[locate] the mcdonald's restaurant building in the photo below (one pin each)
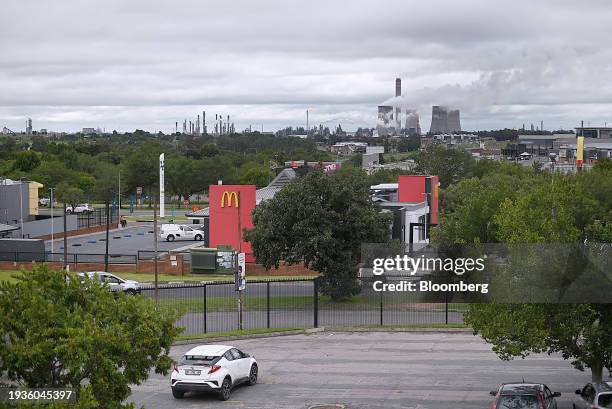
(413, 202)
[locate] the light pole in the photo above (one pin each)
(21, 205)
(52, 221)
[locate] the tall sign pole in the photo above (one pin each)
(155, 252)
(161, 185)
(239, 268)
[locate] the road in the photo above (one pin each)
(377, 370)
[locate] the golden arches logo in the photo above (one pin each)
(228, 196)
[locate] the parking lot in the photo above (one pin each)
(373, 370)
(121, 241)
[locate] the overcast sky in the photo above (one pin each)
(126, 64)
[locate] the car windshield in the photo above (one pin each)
(200, 360)
(518, 402)
(605, 400)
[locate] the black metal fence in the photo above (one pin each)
(71, 258)
(96, 218)
(213, 307)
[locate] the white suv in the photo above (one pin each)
(171, 232)
(81, 208)
(213, 368)
(114, 283)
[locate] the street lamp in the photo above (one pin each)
(21, 204)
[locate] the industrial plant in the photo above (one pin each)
(394, 119)
(198, 127)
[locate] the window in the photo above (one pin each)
(518, 402)
(228, 356)
(236, 354)
(200, 360)
(605, 400)
(588, 393)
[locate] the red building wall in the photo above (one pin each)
(411, 189)
(417, 189)
(224, 201)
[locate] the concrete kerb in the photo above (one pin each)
(310, 331)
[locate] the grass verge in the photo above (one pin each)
(234, 333)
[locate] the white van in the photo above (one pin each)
(171, 232)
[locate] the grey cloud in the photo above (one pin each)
(126, 64)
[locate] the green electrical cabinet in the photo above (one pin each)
(203, 260)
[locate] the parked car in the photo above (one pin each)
(171, 232)
(524, 395)
(44, 201)
(114, 282)
(213, 368)
(595, 395)
(80, 208)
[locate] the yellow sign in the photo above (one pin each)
(580, 151)
(228, 196)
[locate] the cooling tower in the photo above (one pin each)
(412, 122)
(386, 124)
(454, 121)
(439, 120)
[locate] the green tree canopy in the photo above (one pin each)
(450, 164)
(63, 333)
(322, 221)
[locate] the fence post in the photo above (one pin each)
(205, 308)
(381, 308)
(446, 307)
(315, 296)
(76, 261)
(268, 303)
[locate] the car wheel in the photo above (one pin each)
(130, 292)
(177, 394)
(226, 389)
(253, 375)
(170, 237)
(198, 237)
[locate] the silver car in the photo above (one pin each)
(113, 282)
(595, 395)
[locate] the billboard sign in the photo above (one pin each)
(240, 278)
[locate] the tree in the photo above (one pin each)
(61, 333)
(449, 164)
(322, 221)
(182, 177)
(521, 206)
(26, 161)
(142, 167)
(259, 176)
(579, 332)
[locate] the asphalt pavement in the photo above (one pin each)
(121, 241)
(377, 370)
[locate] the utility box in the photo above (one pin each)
(203, 260)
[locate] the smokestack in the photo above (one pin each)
(398, 87)
(204, 122)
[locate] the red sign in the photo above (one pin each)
(230, 213)
(332, 167)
